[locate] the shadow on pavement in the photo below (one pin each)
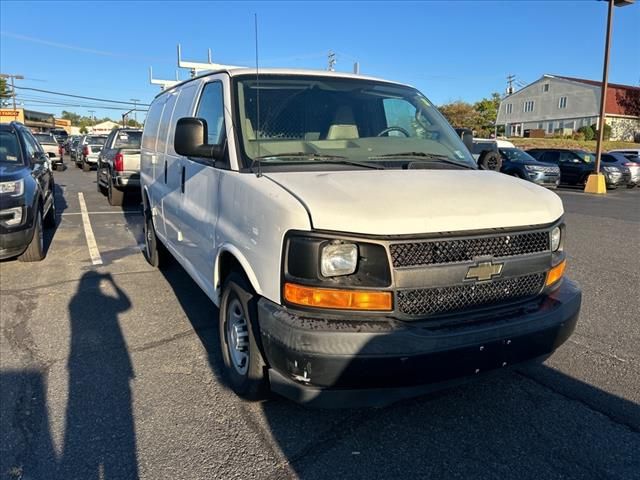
(99, 440)
(531, 425)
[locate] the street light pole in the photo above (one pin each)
(596, 182)
(135, 108)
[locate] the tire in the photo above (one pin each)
(101, 189)
(244, 365)
(35, 250)
(115, 196)
(490, 161)
(86, 167)
(154, 251)
(50, 219)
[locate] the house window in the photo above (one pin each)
(509, 108)
(545, 87)
(540, 126)
(550, 127)
(528, 106)
(562, 103)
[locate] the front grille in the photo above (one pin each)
(463, 250)
(430, 301)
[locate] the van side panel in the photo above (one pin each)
(254, 215)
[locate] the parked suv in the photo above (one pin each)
(632, 162)
(27, 202)
(518, 163)
(576, 166)
(355, 250)
(118, 167)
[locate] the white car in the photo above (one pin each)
(356, 252)
(51, 147)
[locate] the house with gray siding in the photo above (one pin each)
(558, 104)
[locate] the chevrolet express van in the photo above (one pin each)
(355, 250)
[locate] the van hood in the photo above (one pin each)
(404, 202)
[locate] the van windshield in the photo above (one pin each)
(309, 119)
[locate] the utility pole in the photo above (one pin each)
(13, 87)
(91, 114)
(331, 61)
(596, 182)
(510, 80)
(136, 100)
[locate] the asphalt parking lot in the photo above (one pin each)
(111, 371)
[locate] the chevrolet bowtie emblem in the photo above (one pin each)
(484, 271)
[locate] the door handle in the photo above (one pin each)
(182, 182)
(165, 171)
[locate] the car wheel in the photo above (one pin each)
(154, 251)
(101, 189)
(244, 366)
(35, 250)
(50, 219)
(115, 196)
(490, 161)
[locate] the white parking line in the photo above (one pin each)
(128, 212)
(88, 232)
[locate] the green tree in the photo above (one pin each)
(460, 114)
(84, 130)
(487, 109)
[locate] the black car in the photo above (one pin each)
(577, 165)
(27, 202)
(519, 163)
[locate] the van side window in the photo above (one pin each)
(211, 109)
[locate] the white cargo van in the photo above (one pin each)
(356, 252)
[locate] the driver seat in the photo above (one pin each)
(344, 125)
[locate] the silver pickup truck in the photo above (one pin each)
(118, 167)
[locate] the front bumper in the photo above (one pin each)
(348, 362)
(13, 244)
(545, 179)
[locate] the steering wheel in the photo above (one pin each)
(394, 129)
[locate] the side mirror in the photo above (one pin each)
(40, 158)
(190, 139)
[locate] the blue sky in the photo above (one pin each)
(450, 49)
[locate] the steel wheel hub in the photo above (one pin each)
(237, 337)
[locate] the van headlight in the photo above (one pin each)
(14, 188)
(338, 259)
(556, 236)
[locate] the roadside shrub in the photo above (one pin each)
(607, 131)
(580, 136)
(587, 132)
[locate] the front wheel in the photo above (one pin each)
(238, 327)
(35, 250)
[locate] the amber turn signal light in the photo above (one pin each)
(555, 273)
(338, 299)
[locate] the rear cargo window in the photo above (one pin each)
(128, 140)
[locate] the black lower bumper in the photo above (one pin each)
(349, 362)
(13, 244)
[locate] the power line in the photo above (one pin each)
(70, 103)
(79, 96)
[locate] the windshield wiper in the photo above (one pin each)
(422, 156)
(318, 157)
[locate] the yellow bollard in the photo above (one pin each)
(596, 184)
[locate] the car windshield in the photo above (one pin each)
(350, 121)
(516, 155)
(128, 139)
(45, 139)
(96, 140)
(9, 148)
